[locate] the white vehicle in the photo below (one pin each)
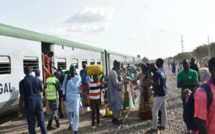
(21, 48)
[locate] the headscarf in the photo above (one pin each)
(125, 70)
(204, 74)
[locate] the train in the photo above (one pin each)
(21, 47)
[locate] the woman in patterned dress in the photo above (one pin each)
(146, 99)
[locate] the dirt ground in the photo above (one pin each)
(11, 125)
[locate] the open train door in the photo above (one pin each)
(46, 48)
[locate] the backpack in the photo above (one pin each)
(190, 108)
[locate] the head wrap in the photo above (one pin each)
(204, 74)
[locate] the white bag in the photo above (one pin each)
(131, 105)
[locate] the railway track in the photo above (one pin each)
(125, 119)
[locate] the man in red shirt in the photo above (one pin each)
(205, 119)
(47, 64)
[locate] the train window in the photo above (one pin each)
(5, 65)
(61, 63)
(31, 62)
(84, 61)
(99, 62)
(92, 62)
(75, 62)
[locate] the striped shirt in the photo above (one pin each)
(94, 92)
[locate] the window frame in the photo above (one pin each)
(84, 61)
(76, 64)
(63, 67)
(31, 58)
(92, 61)
(6, 62)
(98, 61)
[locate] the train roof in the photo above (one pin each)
(11, 31)
(119, 54)
(30, 35)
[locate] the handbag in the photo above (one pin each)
(86, 99)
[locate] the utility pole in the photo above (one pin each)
(209, 55)
(182, 43)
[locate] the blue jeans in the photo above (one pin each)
(35, 109)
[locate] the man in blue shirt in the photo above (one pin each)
(160, 92)
(83, 70)
(159, 64)
(30, 88)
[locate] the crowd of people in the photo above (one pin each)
(82, 91)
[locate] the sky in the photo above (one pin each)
(150, 28)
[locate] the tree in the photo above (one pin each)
(145, 60)
(181, 56)
(200, 52)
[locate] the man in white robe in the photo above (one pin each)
(71, 95)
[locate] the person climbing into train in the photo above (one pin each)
(29, 89)
(71, 97)
(95, 99)
(53, 87)
(114, 95)
(48, 64)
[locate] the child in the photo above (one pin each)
(95, 102)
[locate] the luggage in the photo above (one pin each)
(108, 112)
(94, 70)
